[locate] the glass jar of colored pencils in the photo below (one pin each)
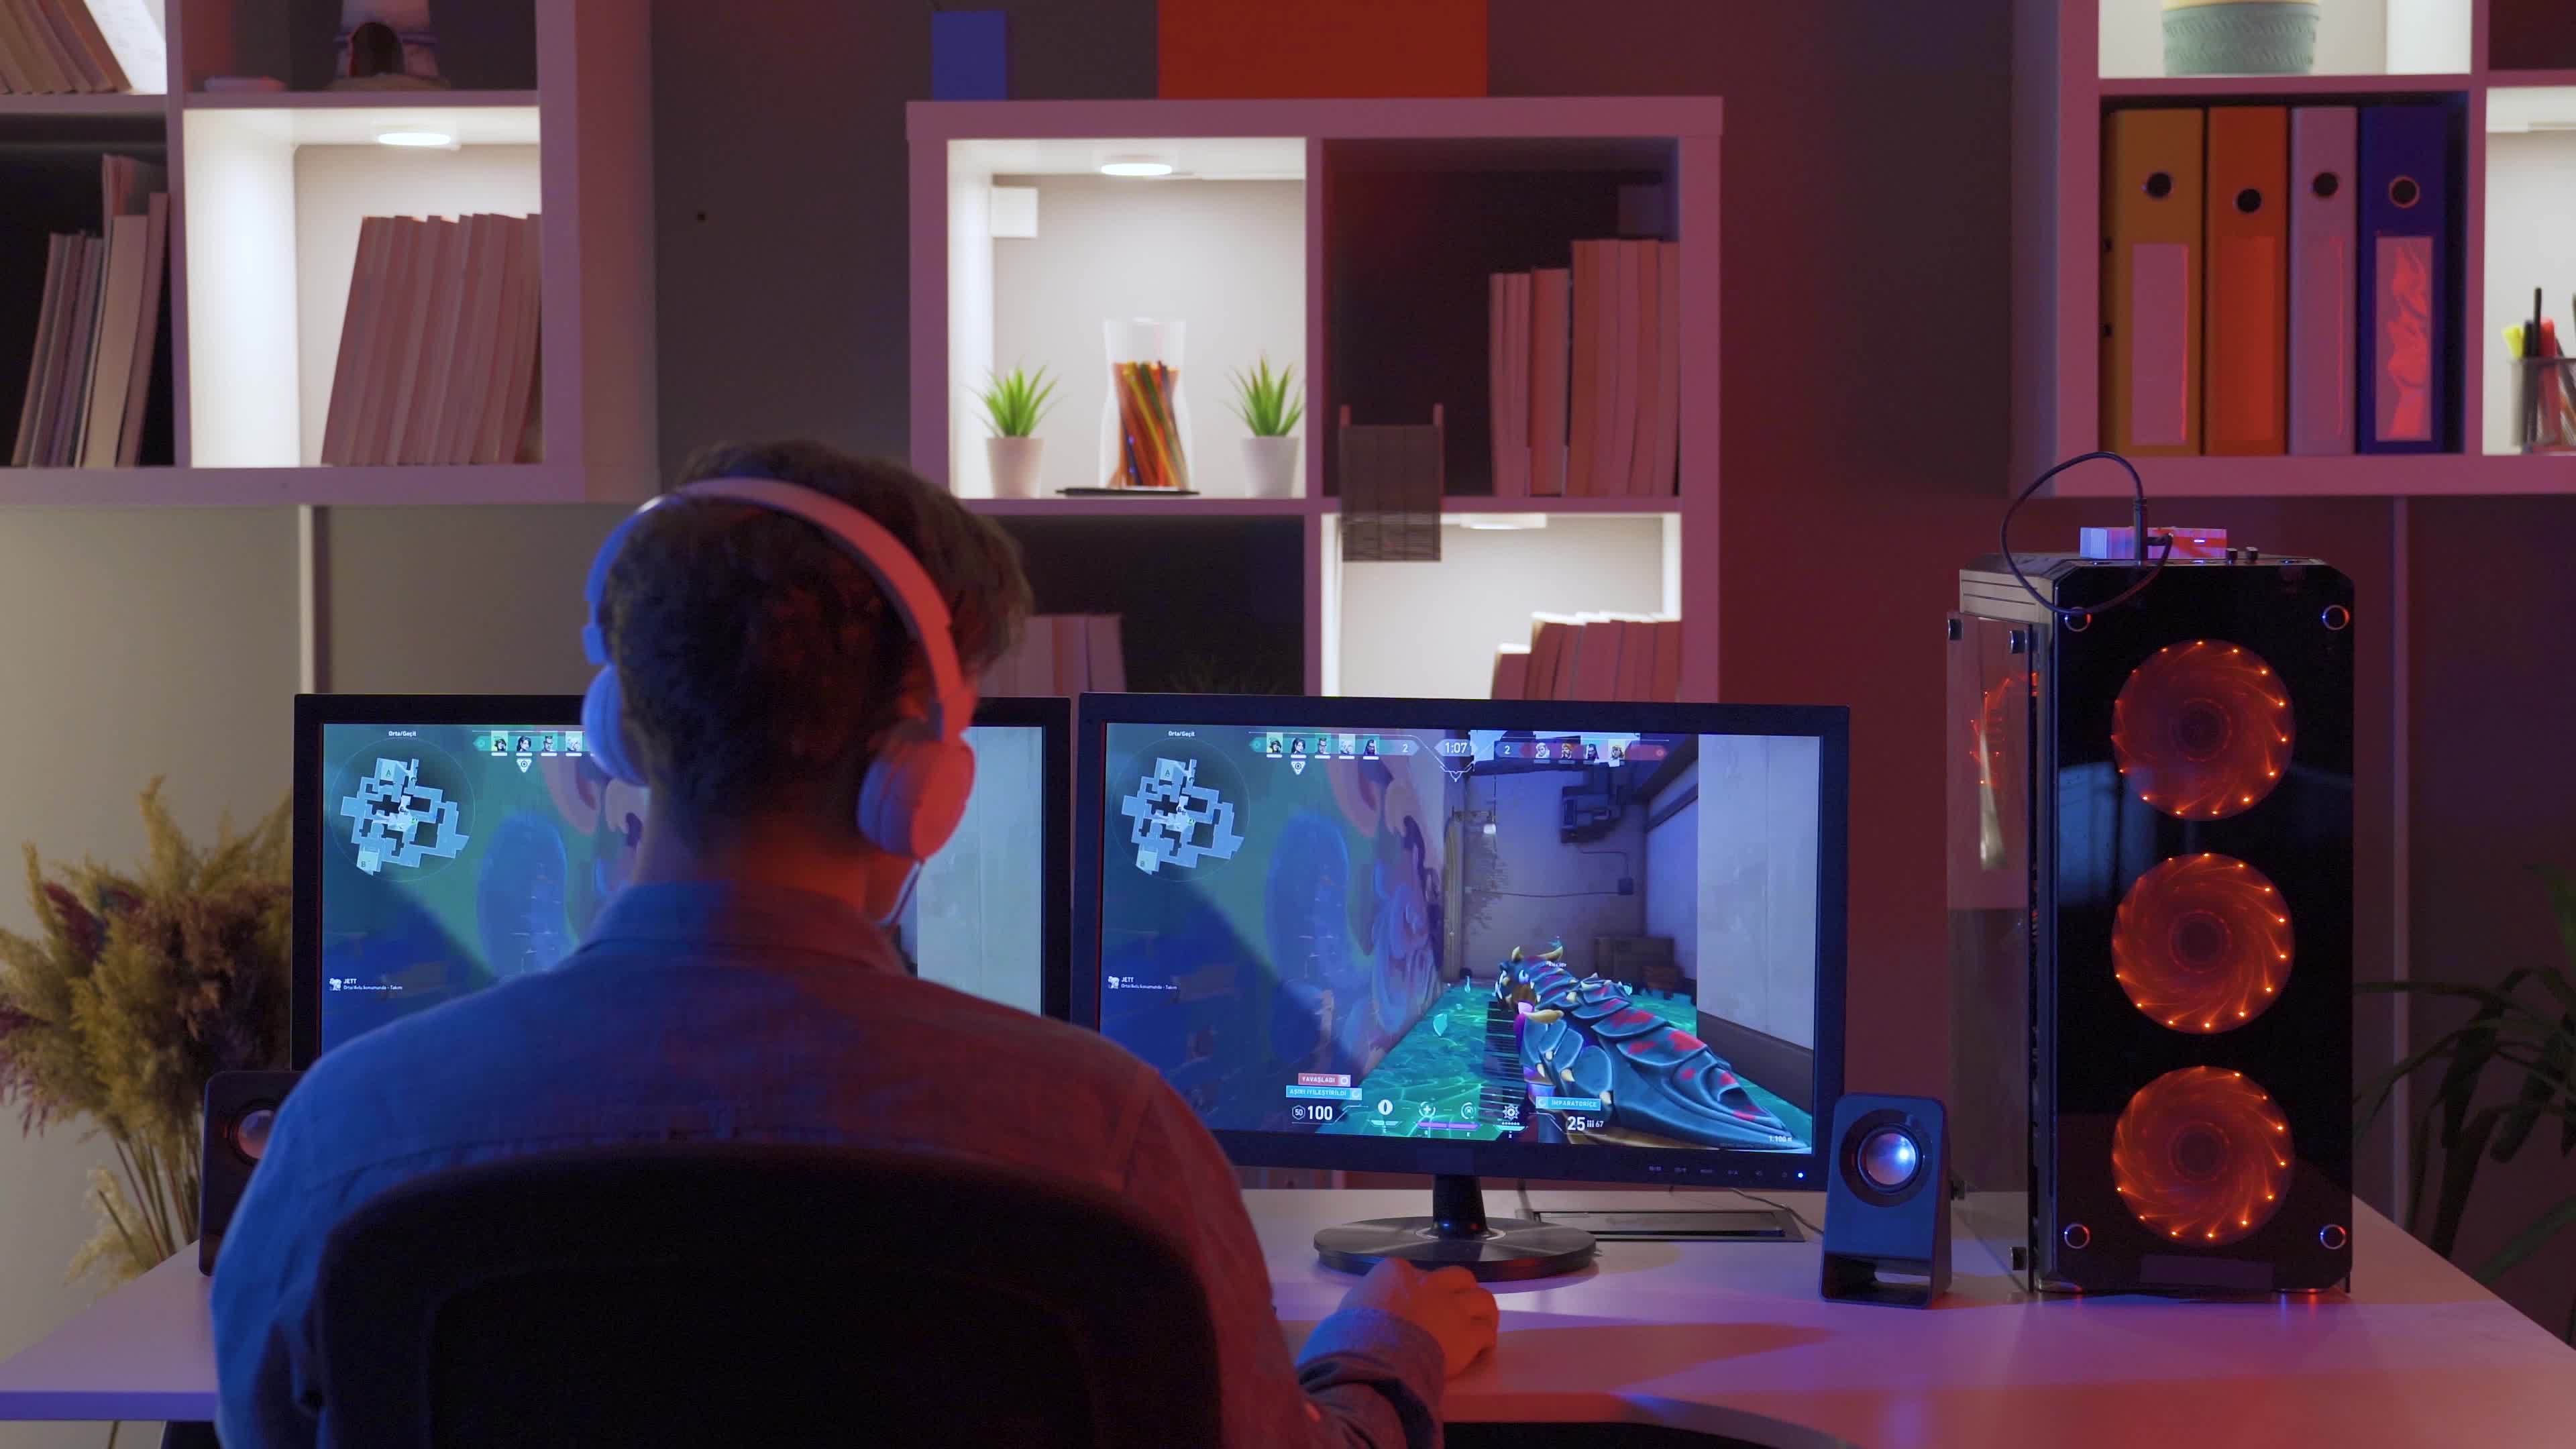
(1145, 419)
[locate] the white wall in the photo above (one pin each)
(461, 600)
(139, 643)
(1226, 257)
(1399, 638)
(2531, 217)
(1757, 883)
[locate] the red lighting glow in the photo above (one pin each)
(2201, 1156)
(2202, 943)
(2202, 730)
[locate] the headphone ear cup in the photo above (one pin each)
(916, 791)
(603, 728)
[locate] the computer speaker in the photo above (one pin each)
(1887, 1201)
(240, 1109)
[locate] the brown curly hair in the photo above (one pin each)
(760, 662)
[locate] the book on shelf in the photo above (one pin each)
(438, 344)
(1597, 669)
(79, 47)
(1583, 388)
(112, 355)
(1592, 657)
(80, 347)
(147, 329)
(1508, 375)
(1619, 435)
(1587, 396)
(98, 324)
(1512, 472)
(48, 322)
(1064, 654)
(1664, 477)
(1551, 290)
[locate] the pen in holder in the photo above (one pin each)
(2546, 404)
(1145, 419)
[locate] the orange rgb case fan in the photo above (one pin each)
(2202, 730)
(2202, 943)
(2201, 1155)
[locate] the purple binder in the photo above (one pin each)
(2407, 343)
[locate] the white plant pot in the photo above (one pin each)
(1015, 466)
(1271, 464)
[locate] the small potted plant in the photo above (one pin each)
(1266, 402)
(1013, 405)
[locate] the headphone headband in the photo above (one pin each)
(906, 585)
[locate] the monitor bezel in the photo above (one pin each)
(1829, 725)
(313, 712)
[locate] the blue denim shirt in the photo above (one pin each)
(699, 1012)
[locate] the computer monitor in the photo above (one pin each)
(445, 843)
(1599, 942)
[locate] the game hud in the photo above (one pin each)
(1580, 938)
(456, 856)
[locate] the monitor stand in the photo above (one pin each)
(1458, 1234)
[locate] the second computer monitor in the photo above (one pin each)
(447, 843)
(1599, 942)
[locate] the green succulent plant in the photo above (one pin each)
(1016, 401)
(1265, 400)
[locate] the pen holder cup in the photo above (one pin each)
(2545, 404)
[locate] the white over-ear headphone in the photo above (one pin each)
(916, 787)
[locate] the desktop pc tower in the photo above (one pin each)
(2150, 849)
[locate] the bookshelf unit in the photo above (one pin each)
(2077, 59)
(1279, 233)
(549, 112)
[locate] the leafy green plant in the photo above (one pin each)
(2525, 1024)
(138, 986)
(1263, 399)
(1016, 401)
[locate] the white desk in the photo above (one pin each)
(1731, 1337)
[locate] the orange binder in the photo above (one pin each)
(2151, 208)
(2245, 386)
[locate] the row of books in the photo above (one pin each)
(1593, 657)
(1062, 654)
(1584, 366)
(78, 47)
(2278, 280)
(98, 331)
(439, 346)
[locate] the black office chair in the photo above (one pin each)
(733, 1294)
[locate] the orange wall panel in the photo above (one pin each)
(1273, 49)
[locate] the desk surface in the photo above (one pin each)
(1731, 1337)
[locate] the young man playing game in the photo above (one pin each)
(790, 681)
